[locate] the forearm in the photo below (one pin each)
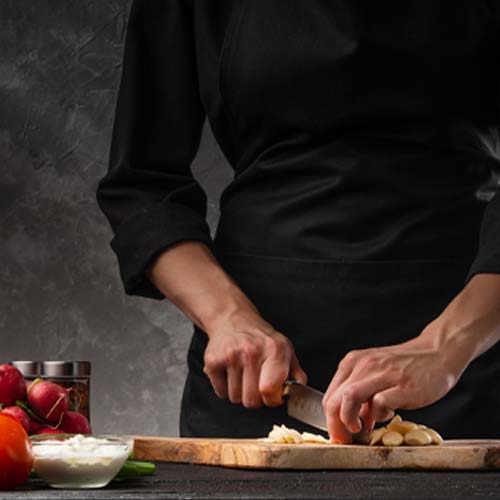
(246, 359)
(190, 277)
(470, 324)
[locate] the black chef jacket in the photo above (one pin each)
(356, 130)
(361, 134)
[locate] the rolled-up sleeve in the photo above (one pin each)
(487, 259)
(149, 194)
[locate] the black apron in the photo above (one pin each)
(327, 308)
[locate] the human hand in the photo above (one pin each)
(248, 361)
(371, 383)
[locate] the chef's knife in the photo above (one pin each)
(305, 404)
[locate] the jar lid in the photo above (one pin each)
(65, 368)
(28, 368)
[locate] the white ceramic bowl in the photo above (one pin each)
(78, 461)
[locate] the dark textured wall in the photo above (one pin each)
(60, 294)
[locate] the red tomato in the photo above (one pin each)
(16, 458)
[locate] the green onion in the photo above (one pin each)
(135, 468)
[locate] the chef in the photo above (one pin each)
(358, 246)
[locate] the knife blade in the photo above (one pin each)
(306, 405)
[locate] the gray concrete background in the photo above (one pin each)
(60, 294)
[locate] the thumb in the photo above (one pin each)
(296, 372)
(394, 398)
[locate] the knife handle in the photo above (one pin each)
(287, 386)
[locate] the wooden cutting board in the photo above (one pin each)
(251, 453)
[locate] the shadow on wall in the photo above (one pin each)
(60, 294)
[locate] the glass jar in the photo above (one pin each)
(74, 375)
(30, 369)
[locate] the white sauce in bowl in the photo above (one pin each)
(80, 461)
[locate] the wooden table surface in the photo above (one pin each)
(179, 481)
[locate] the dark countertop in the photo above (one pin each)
(179, 481)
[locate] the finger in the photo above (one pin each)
(353, 394)
(296, 371)
(349, 412)
(219, 382)
(381, 413)
(367, 416)
(234, 383)
(336, 429)
(344, 370)
(216, 373)
(250, 392)
(273, 374)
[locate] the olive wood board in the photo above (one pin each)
(465, 454)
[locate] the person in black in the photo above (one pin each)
(360, 236)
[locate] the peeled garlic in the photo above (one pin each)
(282, 434)
(401, 431)
(396, 418)
(392, 438)
(435, 436)
(376, 436)
(417, 437)
(402, 427)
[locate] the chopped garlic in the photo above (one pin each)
(314, 438)
(282, 434)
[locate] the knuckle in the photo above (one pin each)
(380, 402)
(275, 347)
(278, 345)
(370, 361)
(347, 360)
(211, 361)
(395, 371)
(350, 394)
(232, 355)
(250, 352)
(329, 406)
(352, 355)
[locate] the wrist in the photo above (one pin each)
(454, 344)
(235, 312)
(469, 325)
